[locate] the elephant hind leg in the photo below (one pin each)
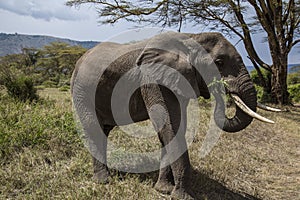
(165, 182)
(101, 172)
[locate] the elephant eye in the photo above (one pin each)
(219, 62)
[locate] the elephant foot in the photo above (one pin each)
(181, 194)
(102, 177)
(164, 187)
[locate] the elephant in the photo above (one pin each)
(157, 70)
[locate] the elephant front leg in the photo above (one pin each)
(176, 147)
(178, 158)
(168, 118)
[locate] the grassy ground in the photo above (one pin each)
(42, 157)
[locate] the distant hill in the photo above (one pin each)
(291, 68)
(14, 43)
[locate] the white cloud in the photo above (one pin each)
(87, 29)
(43, 9)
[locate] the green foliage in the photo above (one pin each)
(18, 85)
(58, 60)
(293, 78)
(263, 92)
(24, 125)
(21, 87)
(256, 79)
(51, 66)
(294, 91)
(218, 86)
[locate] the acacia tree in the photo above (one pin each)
(58, 58)
(279, 19)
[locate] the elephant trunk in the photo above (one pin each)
(242, 88)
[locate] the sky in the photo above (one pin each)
(53, 18)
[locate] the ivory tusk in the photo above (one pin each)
(238, 101)
(264, 107)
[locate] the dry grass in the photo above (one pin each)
(261, 162)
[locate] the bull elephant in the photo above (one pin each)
(156, 71)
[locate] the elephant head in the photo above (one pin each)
(232, 70)
(202, 59)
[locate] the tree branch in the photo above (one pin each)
(287, 12)
(261, 77)
(122, 8)
(295, 42)
(247, 37)
(292, 26)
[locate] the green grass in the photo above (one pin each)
(42, 157)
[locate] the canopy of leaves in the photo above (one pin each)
(58, 58)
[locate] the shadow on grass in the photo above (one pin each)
(293, 113)
(205, 188)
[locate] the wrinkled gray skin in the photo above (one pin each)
(114, 60)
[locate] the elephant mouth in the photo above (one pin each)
(246, 104)
(243, 114)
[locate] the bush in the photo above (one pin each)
(293, 78)
(262, 94)
(294, 91)
(21, 87)
(266, 76)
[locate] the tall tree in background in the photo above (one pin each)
(59, 58)
(279, 19)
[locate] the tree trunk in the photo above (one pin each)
(279, 91)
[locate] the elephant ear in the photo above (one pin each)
(170, 69)
(199, 58)
(203, 89)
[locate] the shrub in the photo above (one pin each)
(262, 94)
(294, 91)
(266, 76)
(21, 87)
(293, 78)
